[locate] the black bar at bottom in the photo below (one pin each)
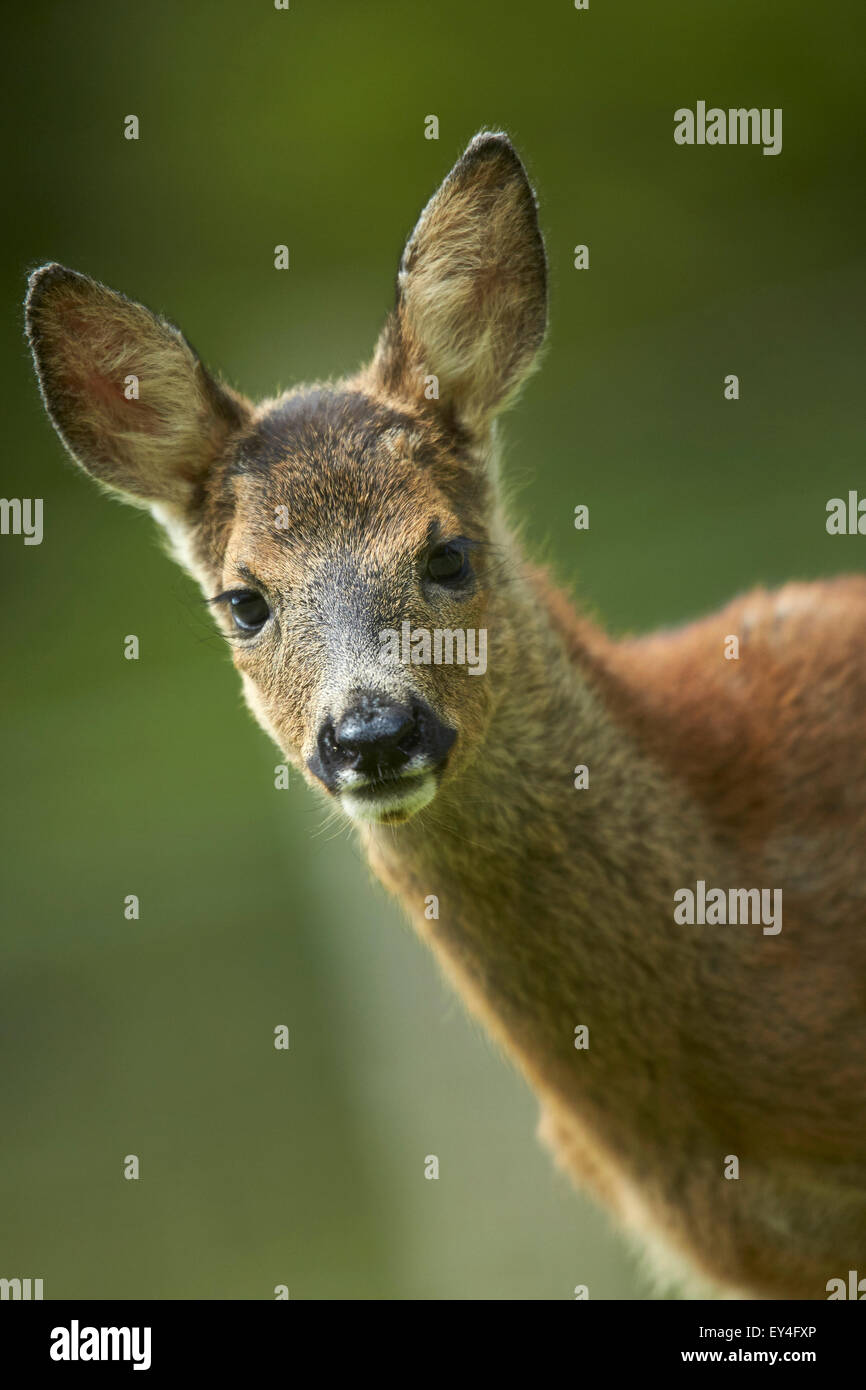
(218, 1338)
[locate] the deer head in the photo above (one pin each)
(334, 527)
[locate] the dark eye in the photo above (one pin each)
(249, 610)
(448, 564)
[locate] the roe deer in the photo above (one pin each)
(319, 521)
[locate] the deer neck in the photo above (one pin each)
(551, 906)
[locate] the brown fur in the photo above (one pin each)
(555, 905)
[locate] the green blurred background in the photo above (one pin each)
(306, 127)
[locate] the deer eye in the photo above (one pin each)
(249, 610)
(448, 564)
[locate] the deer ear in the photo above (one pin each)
(471, 306)
(125, 391)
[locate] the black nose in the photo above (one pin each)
(378, 736)
(375, 735)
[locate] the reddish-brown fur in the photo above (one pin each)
(555, 905)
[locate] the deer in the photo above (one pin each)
(705, 1083)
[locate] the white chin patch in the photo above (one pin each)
(391, 805)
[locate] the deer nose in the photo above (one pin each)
(375, 735)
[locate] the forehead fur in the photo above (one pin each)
(348, 468)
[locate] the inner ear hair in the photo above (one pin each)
(126, 392)
(471, 307)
